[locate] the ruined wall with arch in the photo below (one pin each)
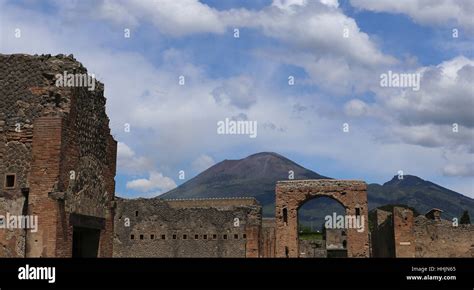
(292, 194)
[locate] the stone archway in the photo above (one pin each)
(290, 195)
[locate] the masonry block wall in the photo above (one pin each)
(56, 141)
(399, 234)
(442, 239)
(221, 203)
(160, 228)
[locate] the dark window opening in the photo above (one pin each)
(287, 252)
(174, 237)
(236, 236)
(244, 236)
(225, 237)
(163, 237)
(204, 237)
(344, 244)
(136, 213)
(185, 237)
(196, 237)
(152, 237)
(214, 237)
(10, 180)
(132, 237)
(141, 237)
(343, 233)
(285, 215)
(357, 211)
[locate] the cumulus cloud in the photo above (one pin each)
(329, 45)
(337, 56)
(156, 181)
(441, 12)
(128, 161)
(176, 18)
(440, 113)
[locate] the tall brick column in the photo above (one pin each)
(403, 232)
(45, 171)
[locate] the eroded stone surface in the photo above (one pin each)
(46, 132)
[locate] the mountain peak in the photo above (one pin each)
(405, 180)
(255, 175)
(265, 154)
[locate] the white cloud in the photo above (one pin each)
(123, 151)
(115, 11)
(156, 181)
(355, 108)
(440, 114)
(202, 163)
(455, 13)
(128, 161)
(237, 91)
(313, 30)
(459, 170)
(176, 18)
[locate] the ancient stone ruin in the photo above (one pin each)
(218, 227)
(400, 234)
(57, 160)
(57, 191)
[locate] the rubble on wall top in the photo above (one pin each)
(320, 181)
(46, 56)
(207, 198)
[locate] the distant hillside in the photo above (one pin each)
(420, 194)
(256, 176)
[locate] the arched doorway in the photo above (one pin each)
(292, 194)
(318, 236)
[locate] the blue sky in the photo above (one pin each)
(173, 127)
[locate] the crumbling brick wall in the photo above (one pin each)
(268, 238)
(47, 135)
(404, 241)
(382, 238)
(312, 249)
(443, 239)
(399, 234)
(153, 228)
